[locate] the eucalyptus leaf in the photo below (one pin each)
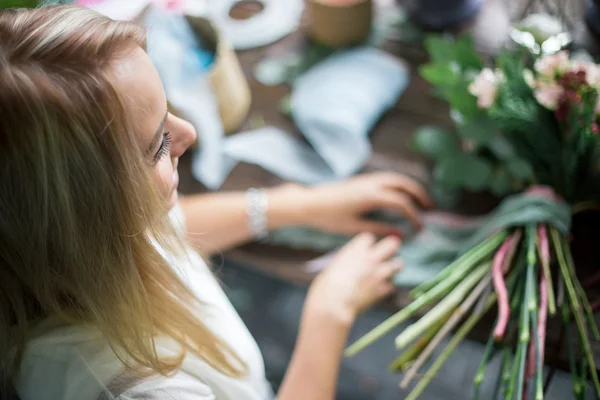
(445, 197)
(501, 147)
(480, 130)
(501, 183)
(435, 142)
(463, 170)
(465, 53)
(440, 74)
(477, 172)
(460, 99)
(520, 168)
(440, 49)
(447, 171)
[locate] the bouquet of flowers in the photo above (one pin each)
(527, 127)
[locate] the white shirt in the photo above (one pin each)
(76, 363)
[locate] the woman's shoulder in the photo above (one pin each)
(77, 363)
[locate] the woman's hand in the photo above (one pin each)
(358, 277)
(341, 207)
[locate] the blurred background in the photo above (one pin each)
(244, 65)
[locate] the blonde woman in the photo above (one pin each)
(100, 295)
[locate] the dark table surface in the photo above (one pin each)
(390, 139)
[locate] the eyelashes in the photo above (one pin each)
(164, 149)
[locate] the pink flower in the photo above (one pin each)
(485, 87)
(553, 64)
(548, 95)
(592, 72)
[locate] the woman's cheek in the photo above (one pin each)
(164, 177)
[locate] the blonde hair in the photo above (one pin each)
(78, 209)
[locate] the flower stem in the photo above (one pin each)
(514, 377)
(460, 268)
(570, 348)
(413, 351)
(541, 339)
(572, 294)
(443, 307)
(583, 380)
(504, 380)
(449, 349)
(487, 355)
(583, 298)
(456, 317)
(498, 270)
(470, 258)
(544, 253)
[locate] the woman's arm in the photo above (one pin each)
(218, 221)
(357, 277)
(313, 371)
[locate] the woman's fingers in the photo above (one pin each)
(391, 268)
(401, 203)
(386, 248)
(379, 229)
(410, 186)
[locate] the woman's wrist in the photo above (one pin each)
(326, 308)
(287, 205)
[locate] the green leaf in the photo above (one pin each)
(460, 99)
(520, 168)
(461, 169)
(477, 173)
(480, 130)
(441, 50)
(501, 147)
(465, 53)
(435, 142)
(447, 172)
(19, 3)
(439, 74)
(501, 183)
(445, 197)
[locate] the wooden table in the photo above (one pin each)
(390, 138)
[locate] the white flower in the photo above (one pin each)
(485, 87)
(542, 26)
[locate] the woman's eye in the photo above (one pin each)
(165, 147)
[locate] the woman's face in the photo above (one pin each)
(162, 136)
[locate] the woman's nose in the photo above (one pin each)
(185, 135)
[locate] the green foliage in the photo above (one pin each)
(516, 142)
(30, 3)
(452, 64)
(463, 170)
(435, 142)
(479, 130)
(18, 3)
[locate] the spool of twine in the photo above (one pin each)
(227, 79)
(339, 23)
